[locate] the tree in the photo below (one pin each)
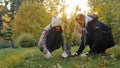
(31, 18)
(55, 7)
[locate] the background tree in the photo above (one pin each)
(55, 7)
(34, 12)
(31, 18)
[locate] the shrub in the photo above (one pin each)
(32, 18)
(25, 40)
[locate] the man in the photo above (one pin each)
(96, 34)
(52, 39)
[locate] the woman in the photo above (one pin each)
(52, 39)
(96, 34)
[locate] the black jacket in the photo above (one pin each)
(99, 37)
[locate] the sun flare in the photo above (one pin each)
(71, 5)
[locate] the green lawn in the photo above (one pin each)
(33, 58)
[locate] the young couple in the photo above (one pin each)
(94, 33)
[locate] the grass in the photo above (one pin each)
(33, 58)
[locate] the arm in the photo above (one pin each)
(83, 42)
(42, 41)
(81, 48)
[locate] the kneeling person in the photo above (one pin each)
(52, 39)
(95, 33)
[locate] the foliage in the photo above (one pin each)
(31, 18)
(38, 15)
(67, 24)
(108, 11)
(25, 40)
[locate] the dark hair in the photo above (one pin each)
(54, 39)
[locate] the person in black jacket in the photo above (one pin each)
(52, 39)
(96, 34)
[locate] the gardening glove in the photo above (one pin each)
(47, 54)
(64, 55)
(73, 54)
(84, 54)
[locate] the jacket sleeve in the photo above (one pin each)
(81, 48)
(42, 41)
(82, 45)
